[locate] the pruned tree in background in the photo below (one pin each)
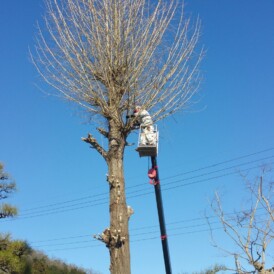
(108, 56)
(7, 187)
(251, 230)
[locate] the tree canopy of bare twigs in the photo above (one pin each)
(251, 230)
(109, 55)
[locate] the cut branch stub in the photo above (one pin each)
(130, 211)
(94, 144)
(112, 239)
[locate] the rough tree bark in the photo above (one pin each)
(116, 237)
(108, 56)
(119, 234)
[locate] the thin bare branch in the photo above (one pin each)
(251, 232)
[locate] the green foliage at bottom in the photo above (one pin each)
(17, 257)
(12, 255)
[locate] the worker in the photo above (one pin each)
(148, 135)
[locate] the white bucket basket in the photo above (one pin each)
(148, 150)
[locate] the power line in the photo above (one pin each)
(37, 212)
(221, 163)
(169, 177)
(209, 179)
(68, 201)
(226, 168)
(67, 206)
(170, 235)
(138, 240)
(105, 201)
(191, 226)
(133, 229)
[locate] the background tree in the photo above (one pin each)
(11, 255)
(251, 230)
(212, 270)
(17, 257)
(108, 56)
(7, 187)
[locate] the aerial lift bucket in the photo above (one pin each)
(148, 150)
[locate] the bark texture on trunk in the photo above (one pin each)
(116, 236)
(118, 232)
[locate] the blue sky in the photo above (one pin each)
(62, 192)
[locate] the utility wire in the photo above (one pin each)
(170, 235)
(221, 163)
(133, 229)
(154, 231)
(133, 194)
(169, 177)
(105, 200)
(37, 212)
(138, 240)
(173, 182)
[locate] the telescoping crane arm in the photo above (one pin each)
(155, 180)
(152, 152)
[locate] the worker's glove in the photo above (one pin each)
(130, 116)
(136, 124)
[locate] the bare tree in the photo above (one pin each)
(250, 230)
(108, 56)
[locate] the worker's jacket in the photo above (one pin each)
(144, 118)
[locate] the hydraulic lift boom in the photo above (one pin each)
(152, 152)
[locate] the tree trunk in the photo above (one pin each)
(118, 232)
